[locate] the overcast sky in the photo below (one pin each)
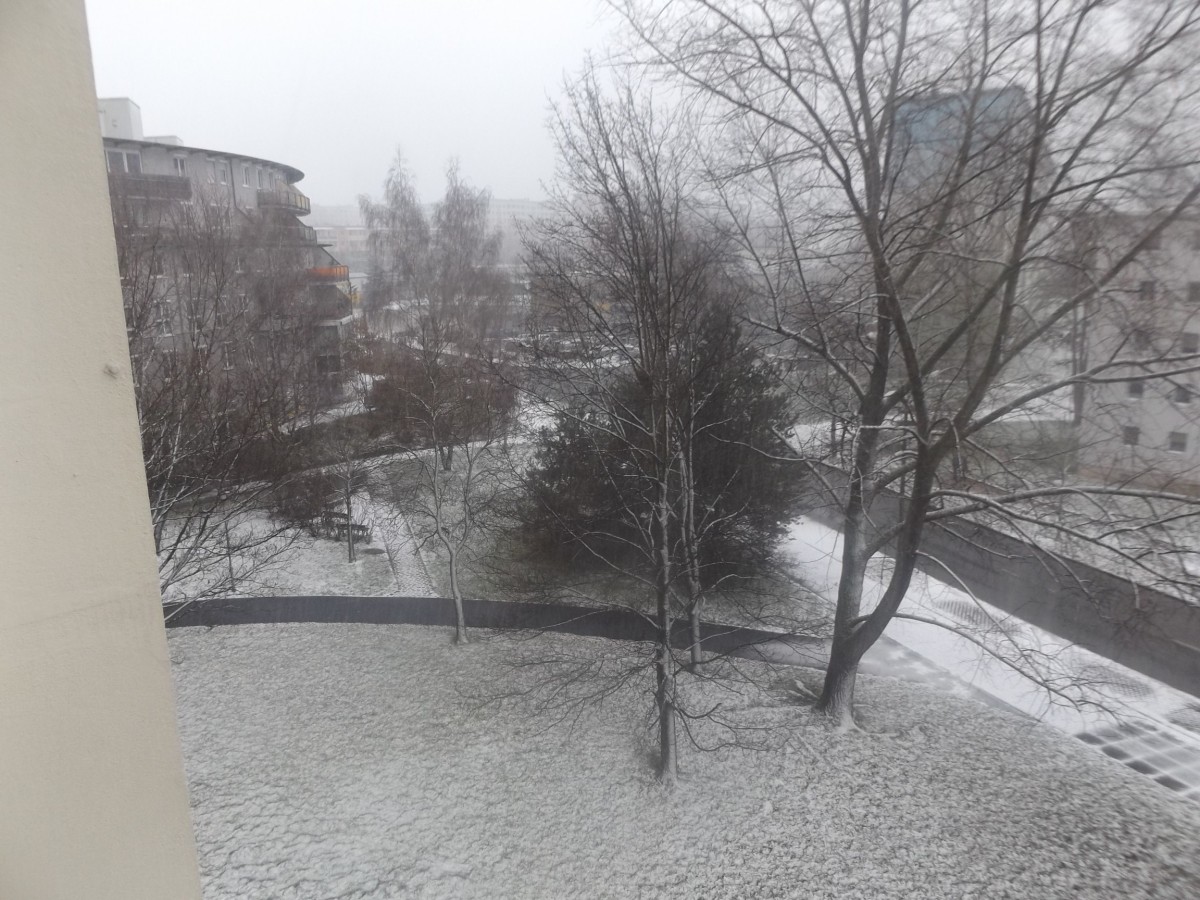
(333, 88)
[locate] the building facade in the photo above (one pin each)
(213, 251)
(1140, 420)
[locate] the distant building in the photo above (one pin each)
(1144, 429)
(154, 179)
(955, 169)
(509, 217)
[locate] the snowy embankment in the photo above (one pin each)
(358, 761)
(1071, 688)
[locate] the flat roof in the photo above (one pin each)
(292, 173)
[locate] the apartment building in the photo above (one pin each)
(1141, 421)
(212, 247)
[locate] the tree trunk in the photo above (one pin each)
(460, 619)
(664, 675)
(837, 694)
(229, 559)
(349, 519)
(668, 763)
(694, 623)
(852, 637)
(691, 552)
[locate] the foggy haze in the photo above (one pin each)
(334, 89)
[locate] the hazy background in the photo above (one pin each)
(334, 88)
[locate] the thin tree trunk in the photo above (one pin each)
(691, 556)
(460, 619)
(229, 559)
(349, 519)
(665, 676)
(694, 627)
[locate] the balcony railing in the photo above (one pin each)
(291, 234)
(334, 305)
(285, 198)
(329, 273)
(150, 187)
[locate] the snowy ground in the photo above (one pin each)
(1092, 696)
(390, 565)
(356, 761)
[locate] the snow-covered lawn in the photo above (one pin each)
(390, 565)
(357, 761)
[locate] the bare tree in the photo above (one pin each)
(630, 281)
(906, 177)
(442, 386)
(215, 385)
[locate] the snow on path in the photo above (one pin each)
(391, 531)
(1141, 704)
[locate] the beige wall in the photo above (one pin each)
(93, 803)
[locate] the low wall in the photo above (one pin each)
(617, 624)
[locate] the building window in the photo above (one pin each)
(195, 316)
(1177, 442)
(239, 262)
(1140, 338)
(261, 181)
(245, 176)
(1181, 393)
(1153, 242)
(181, 166)
(162, 312)
(1190, 342)
(212, 172)
(1146, 291)
(223, 180)
(1135, 390)
(124, 162)
(1130, 435)
(1193, 293)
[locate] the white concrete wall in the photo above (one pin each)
(120, 117)
(93, 801)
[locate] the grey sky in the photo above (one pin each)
(334, 88)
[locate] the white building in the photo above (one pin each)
(1138, 424)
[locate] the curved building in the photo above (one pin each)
(154, 179)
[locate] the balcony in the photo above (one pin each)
(149, 187)
(329, 274)
(288, 235)
(285, 198)
(330, 304)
